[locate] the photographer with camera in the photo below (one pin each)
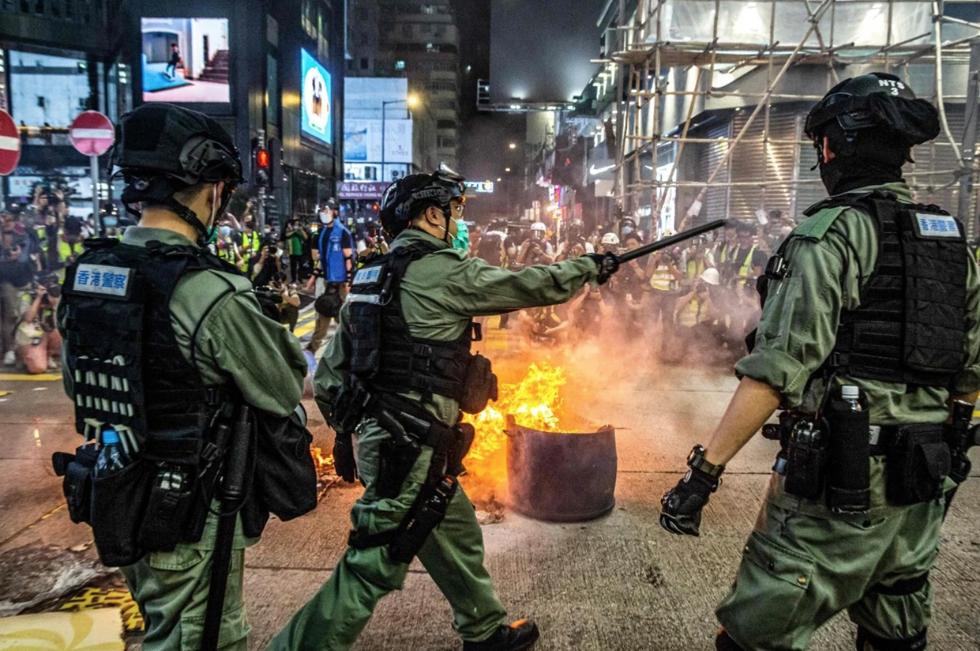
(268, 266)
(536, 249)
(37, 338)
(279, 300)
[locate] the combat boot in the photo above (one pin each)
(518, 636)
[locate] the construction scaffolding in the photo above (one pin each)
(760, 65)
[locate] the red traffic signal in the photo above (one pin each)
(262, 158)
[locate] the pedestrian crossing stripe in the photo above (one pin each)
(98, 598)
(23, 377)
(305, 324)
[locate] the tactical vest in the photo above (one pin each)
(121, 349)
(911, 325)
(384, 354)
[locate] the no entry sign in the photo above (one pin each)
(9, 144)
(92, 133)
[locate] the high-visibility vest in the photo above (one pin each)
(228, 251)
(661, 279)
(746, 268)
(694, 269)
(66, 250)
(251, 245)
(42, 237)
(691, 313)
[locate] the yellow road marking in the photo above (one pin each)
(98, 598)
(18, 377)
(304, 329)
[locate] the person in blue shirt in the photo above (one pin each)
(334, 264)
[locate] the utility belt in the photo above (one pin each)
(160, 498)
(830, 455)
(411, 427)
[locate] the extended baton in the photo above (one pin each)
(668, 242)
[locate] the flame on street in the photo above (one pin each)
(322, 460)
(533, 402)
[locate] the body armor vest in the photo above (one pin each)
(384, 354)
(128, 369)
(911, 325)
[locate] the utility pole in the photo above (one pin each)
(261, 189)
(970, 136)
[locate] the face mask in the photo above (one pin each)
(326, 218)
(462, 240)
(225, 231)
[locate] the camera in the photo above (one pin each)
(51, 284)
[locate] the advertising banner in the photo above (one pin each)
(316, 97)
(185, 60)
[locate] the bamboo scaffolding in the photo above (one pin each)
(644, 87)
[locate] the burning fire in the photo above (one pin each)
(533, 402)
(321, 459)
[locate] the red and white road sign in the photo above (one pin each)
(92, 133)
(9, 144)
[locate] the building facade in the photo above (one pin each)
(418, 41)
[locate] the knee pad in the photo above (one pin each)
(724, 643)
(867, 641)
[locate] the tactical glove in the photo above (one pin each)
(681, 505)
(606, 263)
(343, 457)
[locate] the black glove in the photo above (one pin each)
(343, 457)
(681, 505)
(607, 264)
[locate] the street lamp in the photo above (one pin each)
(513, 145)
(411, 101)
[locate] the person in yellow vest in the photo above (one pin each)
(69, 248)
(664, 277)
(632, 286)
(226, 248)
(726, 248)
(249, 245)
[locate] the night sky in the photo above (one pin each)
(540, 49)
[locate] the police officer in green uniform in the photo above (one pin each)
(158, 335)
(869, 339)
(397, 375)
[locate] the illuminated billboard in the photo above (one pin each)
(185, 60)
(316, 117)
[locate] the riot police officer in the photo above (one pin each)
(161, 338)
(396, 375)
(869, 338)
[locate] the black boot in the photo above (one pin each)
(519, 636)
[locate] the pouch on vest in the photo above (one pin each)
(480, 386)
(77, 485)
(285, 476)
(119, 502)
(918, 464)
(848, 458)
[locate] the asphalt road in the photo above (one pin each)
(614, 583)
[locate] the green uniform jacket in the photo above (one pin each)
(235, 340)
(441, 293)
(799, 323)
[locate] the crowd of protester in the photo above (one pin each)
(696, 299)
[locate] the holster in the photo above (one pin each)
(480, 386)
(918, 464)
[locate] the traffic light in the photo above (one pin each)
(260, 164)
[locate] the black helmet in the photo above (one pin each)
(331, 204)
(165, 149)
(406, 197)
(877, 99)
